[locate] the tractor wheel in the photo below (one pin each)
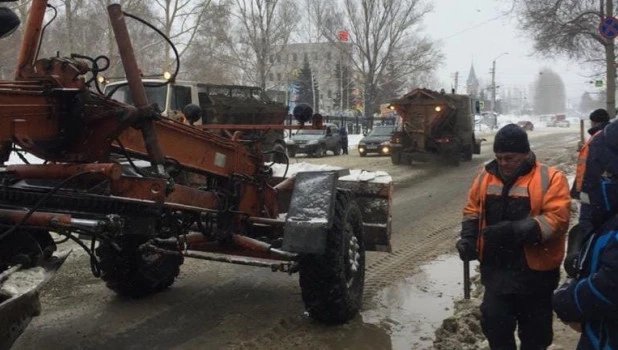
(135, 273)
(26, 247)
(396, 158)
(332, 283)
(467, 153)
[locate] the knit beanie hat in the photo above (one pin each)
(511, 138)
(599, 115)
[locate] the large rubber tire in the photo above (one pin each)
(136, 273)
(467, 153)
(396, 158)
(26, 247)
(332, 284)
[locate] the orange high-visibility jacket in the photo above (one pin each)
(548, 192)
(582, 158)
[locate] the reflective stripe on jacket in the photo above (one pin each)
(548, 193)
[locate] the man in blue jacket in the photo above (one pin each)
(589, 300)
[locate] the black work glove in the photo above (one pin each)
(467, 249)
(576, 238)
(513, 232)
(499, 234)
(527, 231)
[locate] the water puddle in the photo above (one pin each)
(411, 310)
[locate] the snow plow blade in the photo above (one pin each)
(19, 297)
(372, 191)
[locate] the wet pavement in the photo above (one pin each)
(412, 309)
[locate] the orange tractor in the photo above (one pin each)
(141, 192)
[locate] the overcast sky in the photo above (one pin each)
(472, 33)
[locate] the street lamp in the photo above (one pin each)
(493, 86)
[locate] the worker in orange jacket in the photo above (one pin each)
(515, 223)
(589, 217)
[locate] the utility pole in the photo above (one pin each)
(493, 86)
(456, 82)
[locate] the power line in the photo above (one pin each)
(479, 24)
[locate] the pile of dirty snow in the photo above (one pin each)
(463, 329)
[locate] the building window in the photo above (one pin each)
(315, 55)
(271, 76)
(329, 55)
(271, 58)
(278, 59)
(306, 56)
(278, 76)
(294, 57)
(330, 94)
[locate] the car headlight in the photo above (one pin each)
(312, 142)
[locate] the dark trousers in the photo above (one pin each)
(530, 314)
(344, 145)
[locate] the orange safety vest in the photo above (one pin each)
(550, 202)
(582, 158)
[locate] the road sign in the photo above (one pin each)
(343, 35)
(609, 27)
(598, 83)
(481, 104)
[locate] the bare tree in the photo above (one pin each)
(262, 28)
(385, 40)
(570, 27)
(311, 24)
(201, 59)
(181, 22)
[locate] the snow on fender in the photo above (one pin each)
(372, 191)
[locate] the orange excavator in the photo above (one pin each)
(140, 192)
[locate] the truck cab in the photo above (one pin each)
(218, 104)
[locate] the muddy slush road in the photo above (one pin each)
(220, 306)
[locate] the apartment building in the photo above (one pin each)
(323, 59)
